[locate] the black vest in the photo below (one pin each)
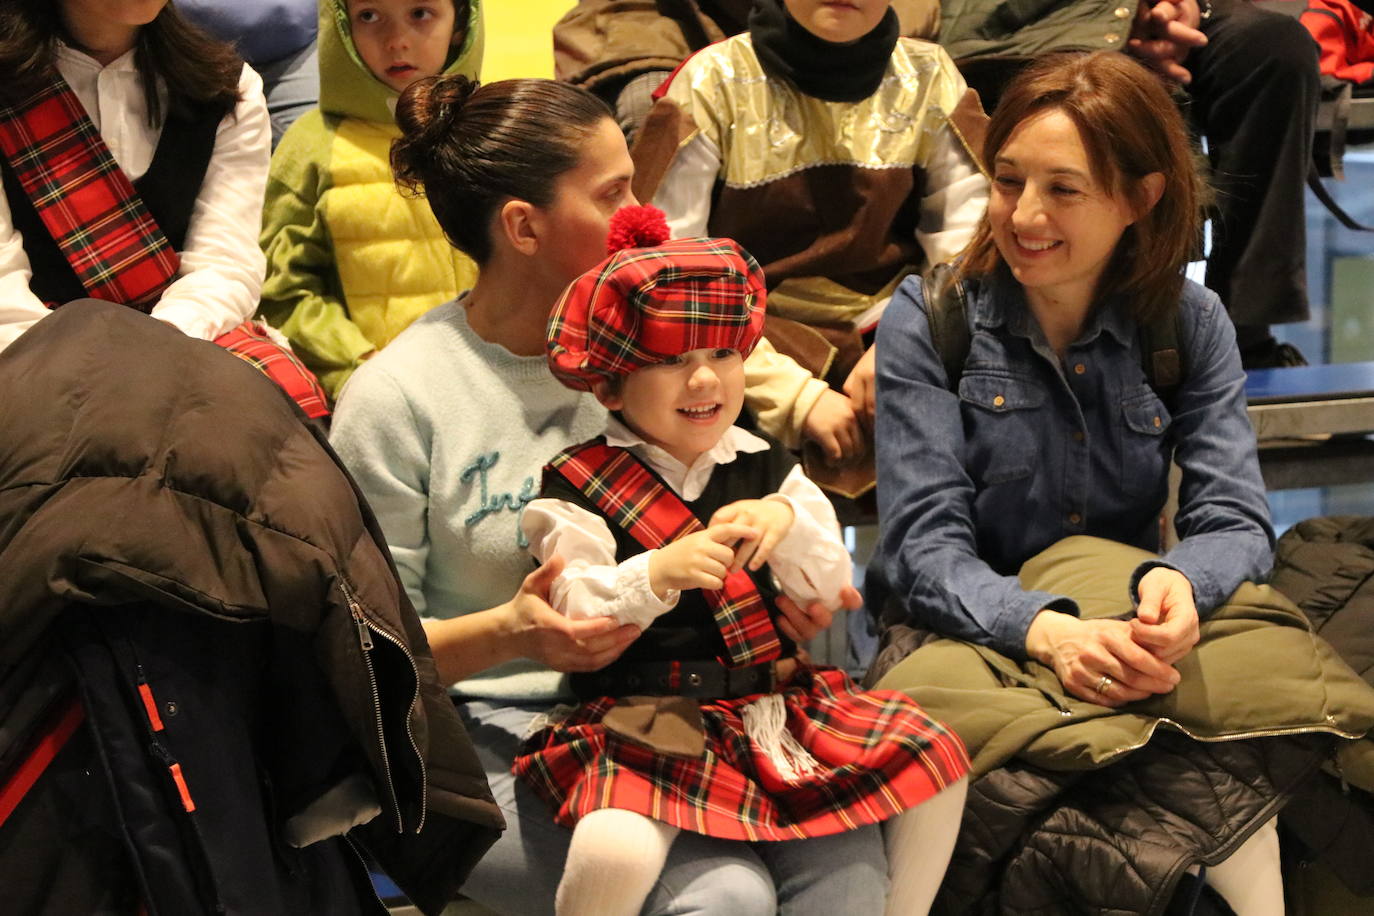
(168, 188)
(689, 630)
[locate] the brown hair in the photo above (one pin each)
(1130, 127)
(196, 69)
(469, 148)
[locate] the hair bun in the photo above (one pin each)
(637, 227)
(434, 102)
(427, 112)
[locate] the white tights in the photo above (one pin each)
(616, 856)
(613, 861)
(1250, 879)
(920, 841)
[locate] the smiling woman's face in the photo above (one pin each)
(1054, 225)
(838, 21)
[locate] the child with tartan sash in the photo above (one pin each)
(692, 528)
(134, 152)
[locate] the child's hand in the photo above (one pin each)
(700, 560)
(862, 387)
(833, 425)
(770, 519)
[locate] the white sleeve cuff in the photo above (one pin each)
(810, 563)
(637, 603)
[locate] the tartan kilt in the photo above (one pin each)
(878, 754)
(251, 342)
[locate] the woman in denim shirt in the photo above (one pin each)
(1054, 429)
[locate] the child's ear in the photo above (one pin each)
(517, 221)
(608, 393)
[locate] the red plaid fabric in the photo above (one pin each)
(878, 754)
(642, 305)
(250, 342)
(85, 200)
(636, 500)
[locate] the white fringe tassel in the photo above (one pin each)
(553, 717)
(765, 722)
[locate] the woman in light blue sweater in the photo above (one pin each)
(447, 430)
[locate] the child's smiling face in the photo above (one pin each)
(683, 404)
(838, 21)
(402, 41)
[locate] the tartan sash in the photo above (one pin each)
(634, 498)
(85, 200)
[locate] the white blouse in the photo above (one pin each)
(810, 564)
(222, 267)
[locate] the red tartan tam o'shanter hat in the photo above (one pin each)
(653, 299)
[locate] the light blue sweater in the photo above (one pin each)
(447, 435)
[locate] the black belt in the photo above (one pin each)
(703, 679)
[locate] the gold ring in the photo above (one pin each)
(1104, 684)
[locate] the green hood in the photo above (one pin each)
(349, 89)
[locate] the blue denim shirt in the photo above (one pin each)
(1027, 452)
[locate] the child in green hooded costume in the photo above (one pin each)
(350, 261)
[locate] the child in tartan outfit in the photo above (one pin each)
(712, 721)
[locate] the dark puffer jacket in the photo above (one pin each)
(139, 466)
(1038, 842)
(1326, 566)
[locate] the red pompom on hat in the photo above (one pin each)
(658, 299)
(637, 227)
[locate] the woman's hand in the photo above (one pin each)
(832, 424)
(1098, 660)
(547, 636)
(1166, 621)
(770, 519)
(700, 560)
(802, 625)
(862, 387)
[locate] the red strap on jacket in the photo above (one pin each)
(48, 745)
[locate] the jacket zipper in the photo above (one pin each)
(1234, 736)
(365, 640)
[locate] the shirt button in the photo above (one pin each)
(1075, 518)
(1078, 435)
(1079, 368)
(1121, 12)
(1111, 38)
(998, 401)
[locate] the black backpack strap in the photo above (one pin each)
(946, 307)
(1318, 187)
(1161, 356)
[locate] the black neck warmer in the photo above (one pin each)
(819, 68)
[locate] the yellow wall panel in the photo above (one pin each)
(520, 37)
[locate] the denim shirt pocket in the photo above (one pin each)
(1002, 424)
(1145, 449)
